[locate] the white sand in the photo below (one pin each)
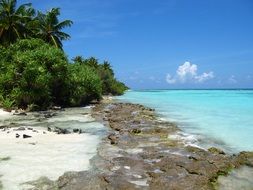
(49, 154)
(4, 113)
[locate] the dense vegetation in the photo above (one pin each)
(34, 70)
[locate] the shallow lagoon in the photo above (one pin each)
(222, 118)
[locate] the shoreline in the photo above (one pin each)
(139, 152)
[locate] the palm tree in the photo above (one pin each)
(92, 62)
(78, 59)
(50, 29)
(107, 66)
(14, 20)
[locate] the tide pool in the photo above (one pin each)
(221, 118)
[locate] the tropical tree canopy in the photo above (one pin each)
(14, 21)
(50, 28)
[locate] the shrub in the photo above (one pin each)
(84, 84)
(33, 72)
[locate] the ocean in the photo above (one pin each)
(222, 118)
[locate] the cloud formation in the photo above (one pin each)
(232, 79)
(189, 73)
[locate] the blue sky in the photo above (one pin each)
(164, 43)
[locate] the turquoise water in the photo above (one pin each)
(215, 117)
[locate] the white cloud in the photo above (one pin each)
(170, 79)
(189, 73)
(186, 71)
(232, 79)
(204, 77)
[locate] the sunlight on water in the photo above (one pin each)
(216, 117)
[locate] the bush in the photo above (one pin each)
(110, 85)
(33, 72)
(84, 85)
(34, 75)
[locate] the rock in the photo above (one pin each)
(29, 128)
(20, 129)
(61, 131)
(56, 108)
(49, 114)
(17, 135)
(113, 138)
(20, 113)
(244, 158)
(216, 151)
(135, 131)
(49, 129)
(75, 130)
(26, 136)
(3, 127)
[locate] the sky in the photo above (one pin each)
(164, 44)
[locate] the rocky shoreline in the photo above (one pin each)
(138, 154)
(140, 151)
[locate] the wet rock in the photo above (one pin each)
(26, 136)
(20, 129)
(61, 131)
(135, 131)
(244, 158)
(17, 135)
(29, 128)
(75, 130)
(49, 114)
(113, 138)
(216, 151)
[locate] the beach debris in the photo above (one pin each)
(26, 136)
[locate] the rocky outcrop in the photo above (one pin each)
(137, 154)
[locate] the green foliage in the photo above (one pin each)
(35, 75)
(21, 22)
(14, 21)
(49, 28)
(84, 84)
(110, 85)
(33, 72)
(6, 103)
